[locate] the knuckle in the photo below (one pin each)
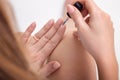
(44, 55)
(100, 14)
(82, 29)
(25, 37)
(52, 43)
(55, 28)
(59, 34)
(76, 13)
(44, 52)
(97, 11)
(45, 38)
(46, 28)
(107, 16)
(30, 29)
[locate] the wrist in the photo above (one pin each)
(107, 67)
(105, 57)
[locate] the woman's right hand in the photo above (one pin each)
(96, 32)
(97, 36)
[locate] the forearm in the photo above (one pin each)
(107, 67)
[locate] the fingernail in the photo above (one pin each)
(56, 65)
(51, 22)
(34, 23)
(60, 20)
(70, 9)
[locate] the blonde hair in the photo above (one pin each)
(13, 64)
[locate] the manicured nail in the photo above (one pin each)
(33, 23)
(56, 65)
(60, 20)
(51, 22)
(70, 9)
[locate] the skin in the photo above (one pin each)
(41, 46)
(98, 29)
(78, 50)
(76, 62)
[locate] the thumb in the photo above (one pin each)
(77, 18)
(49, 68)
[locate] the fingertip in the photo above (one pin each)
(74, 13)
(62, 28)
(51, 22)
(50, 68)
(31, 27)
(59, 21)
(56, 65)
(70, 9)
(33, 24)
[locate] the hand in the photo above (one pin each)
(41, 45)
(97, 36)
(96, 32)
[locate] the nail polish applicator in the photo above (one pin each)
(79, 6)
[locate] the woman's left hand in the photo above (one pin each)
(41, 45)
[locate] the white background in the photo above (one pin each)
(41, 11)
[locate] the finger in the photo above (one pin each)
(51, 45)
(84, 11)
(41, 43)
(45, 29)
(87, 19)
(78, 18)
(76, 35)
(55, 40)
(28, 32)
(45, 52)
(42, 32)
(91, 7)
(49, 68)
(20, 34)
